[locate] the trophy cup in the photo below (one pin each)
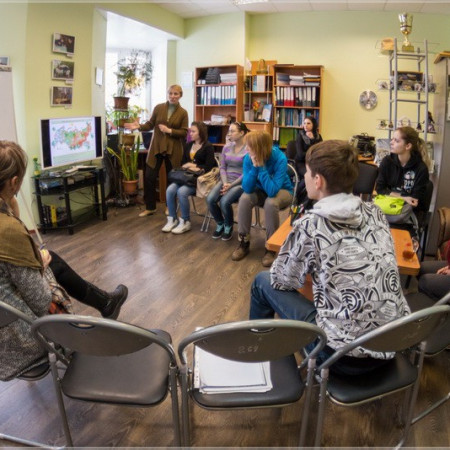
(406, 27)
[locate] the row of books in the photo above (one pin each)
(54, 216)
(261, 83)
(297, 96)
(224, 78)
(286, 79)
(293, 117)
(216, 95)
(281, 136)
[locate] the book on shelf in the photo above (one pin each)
(267, 112)
(216, 375)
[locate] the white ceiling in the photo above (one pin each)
(198, 8)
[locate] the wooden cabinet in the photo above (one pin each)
(220, 103)
(297, 94)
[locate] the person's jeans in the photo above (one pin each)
(220, 206)
(183, 193)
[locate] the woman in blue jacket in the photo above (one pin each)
(266, 183)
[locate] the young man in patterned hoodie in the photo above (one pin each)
(347, 248)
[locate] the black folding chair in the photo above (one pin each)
(365, 183)
(112, 362)
(399, 373)
(254, 341)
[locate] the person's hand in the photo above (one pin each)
(444, 270)
(131, 125)
(46, 257)
(225, 188)
(164, 128)
(255, 161)
(412, 201)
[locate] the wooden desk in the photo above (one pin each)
(401, 239)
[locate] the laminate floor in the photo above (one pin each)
(178, 283)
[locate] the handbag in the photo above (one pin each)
(183, 177)
(206, 182)
(395, 209)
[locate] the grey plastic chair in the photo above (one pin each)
(254, 341)
(293, 175)
(400, 373)
(37, 370)
(112, 362)
(436, 343)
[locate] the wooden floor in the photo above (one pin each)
(178, 283)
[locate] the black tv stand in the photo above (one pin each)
(56, 215)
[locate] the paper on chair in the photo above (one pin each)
(215, 375)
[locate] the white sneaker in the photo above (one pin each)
(170, 225)
(182, 227)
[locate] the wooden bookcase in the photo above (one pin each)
(219, 104)
(297, 93)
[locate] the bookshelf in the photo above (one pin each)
(297, 93)
(219, 104)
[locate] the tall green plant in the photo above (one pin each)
(128, 160)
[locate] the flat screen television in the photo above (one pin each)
(69, 141)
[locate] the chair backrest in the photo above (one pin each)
(9, 314)
(255, 340)
(96, 336)
(398, 335)
(440, 339)
(365, 183)
(293, 175)
(444, 231)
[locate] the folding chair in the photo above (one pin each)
(399, 373)
(436, 343)
(295, 180)
(254, 341)
(37, 370)
(112, 362)
(365, 183)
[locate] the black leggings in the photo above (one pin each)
(151, 174)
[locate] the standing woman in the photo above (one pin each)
(170, 123)
(266, 183)
(404, 173)
(228, 190)
(198, 156)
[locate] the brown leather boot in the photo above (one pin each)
(243, 250)
(268, 258)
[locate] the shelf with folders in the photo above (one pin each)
(297, 94)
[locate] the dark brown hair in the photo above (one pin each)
(202, 130)
(337, 162)
(13, 162)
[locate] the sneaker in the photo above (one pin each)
(170, 225)
(268, 258)
(227, 233)
(219, 231)
(243, 250)
(182, 227)
(147, 212)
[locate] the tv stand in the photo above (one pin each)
(55, 214)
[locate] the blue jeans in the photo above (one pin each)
(183, 193)
(266, 301)
(220, 206)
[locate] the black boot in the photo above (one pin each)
(108, 303)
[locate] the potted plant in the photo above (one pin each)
(127, 157)
(132, 73)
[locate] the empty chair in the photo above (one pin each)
(253, 341)
(38, 369)
(399, 373)
(112, 362)
(365, 183)
(436, 343)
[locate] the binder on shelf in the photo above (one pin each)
(260, 83)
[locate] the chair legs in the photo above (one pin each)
(25, 442)
(431, 408)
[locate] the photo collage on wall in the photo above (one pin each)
(63, 70)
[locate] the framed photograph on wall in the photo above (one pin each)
(63, 43)
(61, 96)
(62, 70)
(4, 60)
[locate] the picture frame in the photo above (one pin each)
(409, 80)
(62, 70)
(63, 43)
(4, 60)
(61, 96)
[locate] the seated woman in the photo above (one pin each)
(266, 183)
(31, 280)
(228, 190)
(296, 151)
(404, 173)
(198, 156)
